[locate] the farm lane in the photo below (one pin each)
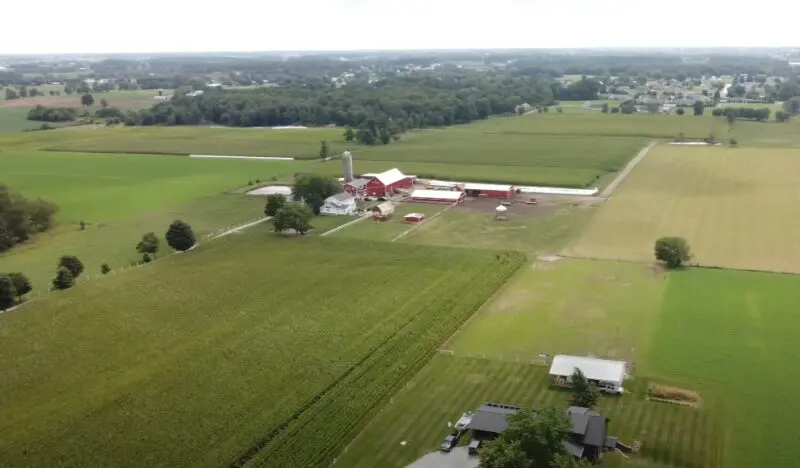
(627, 170)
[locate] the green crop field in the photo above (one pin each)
(733, 206)
(734, 333)
(244, 350)
(121, 197)
(301, 144)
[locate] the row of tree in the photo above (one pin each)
(52, 114)
(179, 236)
(748, 113)
(21, 218)
(13, 288)
(406, 102)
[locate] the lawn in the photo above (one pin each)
(733, 206)
(418, 415)
(300, 144)
(242, 351)
(389, 230)
(581, 307)
(541, 229)
(121, 197)
(735, 333)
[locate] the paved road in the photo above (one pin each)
(624, 173)
(458, 458)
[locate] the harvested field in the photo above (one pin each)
(232, 372)
(732, 205)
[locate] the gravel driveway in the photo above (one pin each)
(457, 458)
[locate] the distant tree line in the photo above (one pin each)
(394, 105)
(748, 113)
(21, 218)
(52, 114)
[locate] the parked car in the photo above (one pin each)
(449, 442)
(474, 446)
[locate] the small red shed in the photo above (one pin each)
(414, 218)
(356, 187)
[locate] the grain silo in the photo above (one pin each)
(347, 166)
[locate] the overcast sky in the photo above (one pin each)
(254, 25)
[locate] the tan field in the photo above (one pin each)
(738, 208)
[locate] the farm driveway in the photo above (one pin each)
(624, 173)
(458, 458)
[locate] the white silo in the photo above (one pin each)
(347, 166)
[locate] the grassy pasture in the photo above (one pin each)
(205, 376)
(542, 229)
(122, 197)
(734, 206)
(302, 144)
(14, 119)
(388, 230)
(734, 333)
(568, 306)
(671, 435)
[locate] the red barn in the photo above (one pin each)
(385, 183)
(490, 190)
(356, 187)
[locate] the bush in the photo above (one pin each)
(72, 264)
(7, 292)
(673, 251)
(146, 258)
(680, 111)
(63, 279)
(733, 142)
(52, 114)
(22, 285)
(180, 236)
(105, 269)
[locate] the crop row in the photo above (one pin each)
(320, 432)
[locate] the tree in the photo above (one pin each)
(180, 236)
(560, 109)
(103, 103)
(274, 203)
(615, 110)
(680, 111)
(148, 245)
(627, 108)
(87, 100)
(604, 108)
(349, 135)
(314, 189)
(323, 150)
(698, 107)
(63, 279)
(533, 439)
(11, 94)
(22, 285)
(6, 239)
(7, 293)
(731, 118)
(782, 116)
(584, 393)
(296, 216)
(71, 263)
(717, 96)
(105, 269)
(673, 251)
(792, 106)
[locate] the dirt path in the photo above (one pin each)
(624, 173)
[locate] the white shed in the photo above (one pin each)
(606, 374)
(339, 204)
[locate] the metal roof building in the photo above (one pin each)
(600, 370)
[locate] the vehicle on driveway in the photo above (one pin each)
(474, 446)
(449, 442)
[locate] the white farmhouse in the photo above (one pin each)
(339, 204)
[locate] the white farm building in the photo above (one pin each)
(339, 204)
(606, 374)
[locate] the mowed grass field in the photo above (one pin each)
(389, 230)
(121, 197)
(734, 333)
(296, 143)
(583, 307)
(270, 362)
(734, 206)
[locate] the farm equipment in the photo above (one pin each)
(531, 201)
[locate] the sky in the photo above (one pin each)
(253, 25)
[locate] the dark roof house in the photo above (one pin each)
(588, 434)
